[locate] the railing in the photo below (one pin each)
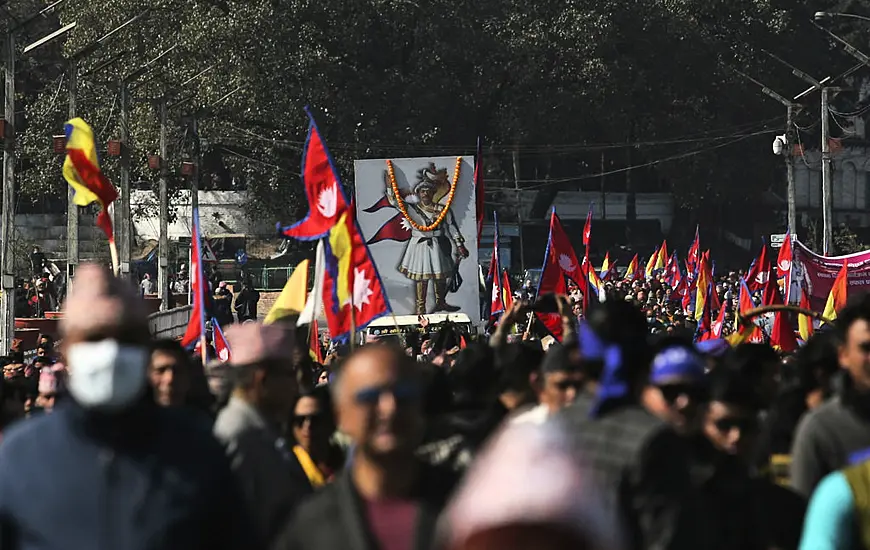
(170, 323)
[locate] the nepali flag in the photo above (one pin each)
(496, 305)
(353, 294)
(672, 272)
(694, 253)
(759, 271)
(198, 285)
(221, 347)
(326, 199)
(397, 228)
(560, 265)
(587, 229)
(382, 203)
(783, 264)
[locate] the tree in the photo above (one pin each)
(390, 78)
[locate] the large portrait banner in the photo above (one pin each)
(418, 218)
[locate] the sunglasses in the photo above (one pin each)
(313, 419)
(725, 425)
(402, 392)
(671, 392)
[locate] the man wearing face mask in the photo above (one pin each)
(250, 426)
(112, 468)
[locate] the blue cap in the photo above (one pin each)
(676, 362)
(715, 347)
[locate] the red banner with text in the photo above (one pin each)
(815, 275)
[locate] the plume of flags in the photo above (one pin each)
(352, 292)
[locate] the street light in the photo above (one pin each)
(827, 16)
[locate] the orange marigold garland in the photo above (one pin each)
(400, 202)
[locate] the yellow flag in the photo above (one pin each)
(340, 246)
(292, 297)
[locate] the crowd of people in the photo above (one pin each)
(623, 435)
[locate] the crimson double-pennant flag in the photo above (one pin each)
(326, 200)
(560, 265)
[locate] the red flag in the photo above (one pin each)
(587, 229)
(496, 305)
(382, 203)
(479, 189)
(705, 320)
(326, 198)
(744, 304)
(783, 264)
(396, 228)
(718, 324)
(781, 333)
(221, 347)
(560, 263)
(805, 322)
(694, 253)
(351, 277)
(198, 285)
(759, 271)
(507, 295)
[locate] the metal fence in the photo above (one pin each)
(271, 279)
(170, 323)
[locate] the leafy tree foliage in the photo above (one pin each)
(390, 78)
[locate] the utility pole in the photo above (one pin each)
(791, 109)
(72, 209)
(519, 209)
(123, 213)
(197, 154)
(163, 246)
(827, 210)
(8, 213)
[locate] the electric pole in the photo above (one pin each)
(827, 210)
(123, 213)
(519, 209)
(791, 109)
(789, 170)
(8, 213)
(72, 209)
(163, 246)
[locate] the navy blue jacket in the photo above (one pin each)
(148, 478)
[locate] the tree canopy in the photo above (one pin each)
(649, 83)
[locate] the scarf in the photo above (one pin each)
(312, 472)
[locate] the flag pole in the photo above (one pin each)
(352, 323)
(113, 250)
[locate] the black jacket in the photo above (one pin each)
(148, 478)
(642, 467)
(335, 518)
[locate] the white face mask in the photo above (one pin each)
(106, 374)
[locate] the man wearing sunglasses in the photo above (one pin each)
(557, 384)
(264, 390)
(386, 497)
(677, 390)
